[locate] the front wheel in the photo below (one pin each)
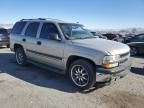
(82, 74)
(20, 56)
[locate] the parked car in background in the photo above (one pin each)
(136, 38)
(4, 37)
(136, 48)
(119, 38)
(136, 44)
(110, 36)
(114, 37)
(98, 35)
(128, 37)
(68, 48)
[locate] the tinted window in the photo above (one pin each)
(48, 28)
(32, 29)
(3, 31)
(18, 27)
(141, 37)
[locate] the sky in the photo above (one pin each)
(94, 14)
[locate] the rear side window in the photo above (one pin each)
(32, 29)
(48, 28)
(18, 27)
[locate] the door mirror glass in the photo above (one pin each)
(54, 36)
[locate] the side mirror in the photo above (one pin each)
(54, 36)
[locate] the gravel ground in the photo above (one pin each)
(33, 87)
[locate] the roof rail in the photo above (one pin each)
(25, 19)
(41, 19)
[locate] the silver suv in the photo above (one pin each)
(68, 48)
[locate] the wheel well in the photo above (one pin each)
(17, 46)
(136, 48)
(71, 59)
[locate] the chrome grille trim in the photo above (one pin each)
(124, 54)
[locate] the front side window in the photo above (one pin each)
(75, 31)
(32, 29)
(47, 29)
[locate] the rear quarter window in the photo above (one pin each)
(18, 28)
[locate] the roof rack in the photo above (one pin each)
(41, 19)
(25, 19)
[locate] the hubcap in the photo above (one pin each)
(19, 57)
(79, 75)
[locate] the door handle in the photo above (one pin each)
(24, 40)
(39, 43)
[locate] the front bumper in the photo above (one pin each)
(105, 75)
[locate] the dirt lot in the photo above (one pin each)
(32, 87)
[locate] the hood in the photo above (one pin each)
(110, 47)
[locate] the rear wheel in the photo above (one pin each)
(20, 56)
(134, 51)
(82, 74)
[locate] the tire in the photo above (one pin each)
(133, 51)
(20, 56)
(82, 74)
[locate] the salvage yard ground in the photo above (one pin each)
(33, 87)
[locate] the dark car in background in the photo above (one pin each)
(114, 37)
(110, 36)
(4, 37)
(136, 44)
(136, 38)
(136, 48)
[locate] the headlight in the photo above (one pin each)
(111, 61)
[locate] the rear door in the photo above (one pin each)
(30, 39)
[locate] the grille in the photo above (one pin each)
(124, 54)
(123, 61)
(124, 58)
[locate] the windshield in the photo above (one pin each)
(75, 31)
